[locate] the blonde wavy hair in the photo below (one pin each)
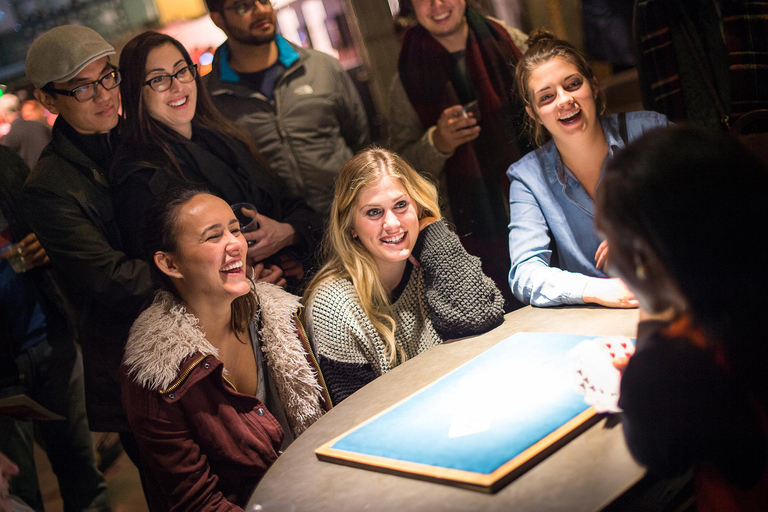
(346, 257)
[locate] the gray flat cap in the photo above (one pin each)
(61, 53)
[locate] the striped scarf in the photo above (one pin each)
(478, 188)
(680, 40)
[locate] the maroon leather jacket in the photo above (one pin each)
(203, 445)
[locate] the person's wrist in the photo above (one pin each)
(440, 143)
(588, 295)
(290, 237)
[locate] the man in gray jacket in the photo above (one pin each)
(301, 108)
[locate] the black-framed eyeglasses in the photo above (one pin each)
(243, 7)
(162, 83)
(87, 91)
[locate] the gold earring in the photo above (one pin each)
(640, 272)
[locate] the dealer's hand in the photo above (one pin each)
(454, 128)
(601, 255)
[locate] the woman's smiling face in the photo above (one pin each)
(176, 106)
(562, 99)
(210, 253)
(386, 220)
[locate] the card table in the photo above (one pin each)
(589, 473)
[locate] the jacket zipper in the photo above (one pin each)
(284, 135)
(184, 375)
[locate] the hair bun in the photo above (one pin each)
(540, 34)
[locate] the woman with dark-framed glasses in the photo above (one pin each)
(172, 135)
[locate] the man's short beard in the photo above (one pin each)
(246, 38)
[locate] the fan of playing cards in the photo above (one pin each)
(590, 364)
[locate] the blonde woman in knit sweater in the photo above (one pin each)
(396, 280)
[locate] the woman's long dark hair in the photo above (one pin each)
(161, 234)
(697, 199)
(139, 130)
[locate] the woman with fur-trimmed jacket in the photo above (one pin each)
(217, 373)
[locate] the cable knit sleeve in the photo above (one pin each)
(463, 300)
(343, 338)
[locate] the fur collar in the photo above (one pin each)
(165, 334)
(160, 339)
(296, 382)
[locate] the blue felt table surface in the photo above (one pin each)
(484, 413)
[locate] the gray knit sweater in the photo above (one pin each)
(448, 296)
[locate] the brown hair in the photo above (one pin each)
(542, 47)
(140, 130)
(215, 5)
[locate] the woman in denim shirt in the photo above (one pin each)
(552, 189)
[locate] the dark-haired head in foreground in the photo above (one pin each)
(682, 211)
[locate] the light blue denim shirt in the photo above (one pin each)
(546, 200)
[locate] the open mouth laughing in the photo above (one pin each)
(179, 102)
(393, 240)
(570, 117)
(232, 268)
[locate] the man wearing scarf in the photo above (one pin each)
(452, 58)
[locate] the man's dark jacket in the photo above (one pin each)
(67, 203)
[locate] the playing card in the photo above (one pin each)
(590, 364)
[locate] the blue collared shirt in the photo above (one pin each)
(547, 201)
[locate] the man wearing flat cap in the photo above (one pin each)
(67, 203)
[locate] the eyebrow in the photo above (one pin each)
(212, 227)
(564, 80)
(107, 67)
(163, 69)
(379, 206)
